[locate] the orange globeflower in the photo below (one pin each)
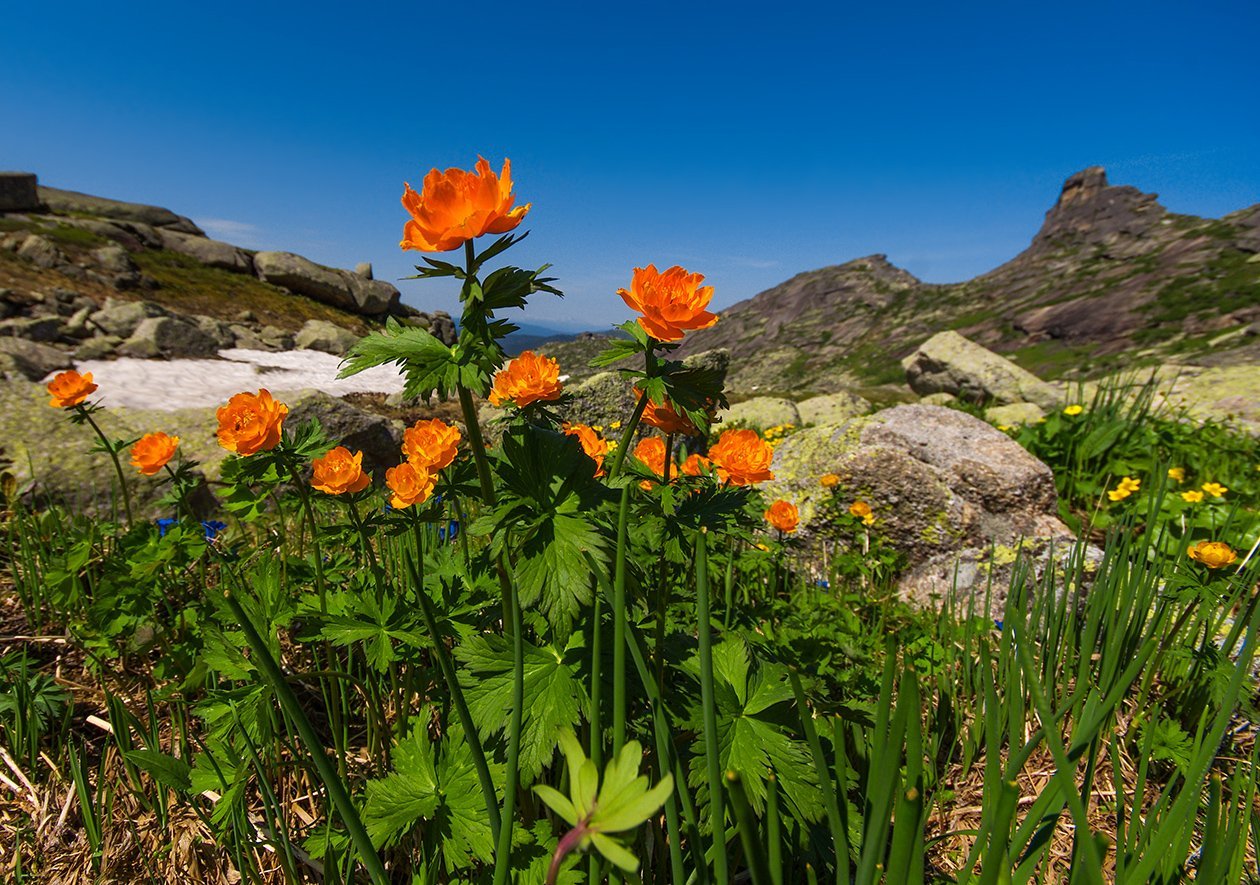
(1213, 554)
(456, 206)
(527, 379)
(672, 303)
(783, 516)
(595, 446)
(651, 451)
(742, 457)
(829, 480)
(70, 389)
(251, 423)
(696, 465)
(339, 472)
(431, 445)
(862, 511)
(664, 418)
(152, 451)
(409, 485)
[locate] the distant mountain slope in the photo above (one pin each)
(1111, 279)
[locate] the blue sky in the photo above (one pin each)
(748, 142)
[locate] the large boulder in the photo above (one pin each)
(949, 363)
(832, 408)
(325, 336)
(168, 338)
(72, 202)
(329, 285)
(939, 482)
(18, 192)
(20, 358)
(379, 438)
(122, 318)
(1219, 393)
(212, 253)
(40, 252)
(761, 413)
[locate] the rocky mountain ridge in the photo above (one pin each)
(1112, 279)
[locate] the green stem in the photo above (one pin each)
(304, 495)
(315, 747)
(478, 444)
(619, 624)
(113, 456)
(627, 435)
(713, 767)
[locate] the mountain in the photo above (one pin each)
(1112, 280)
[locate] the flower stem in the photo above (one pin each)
(113, 456)
(713, 766)
(619, 625)
(627, 435)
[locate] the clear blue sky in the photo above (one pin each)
(746, 142)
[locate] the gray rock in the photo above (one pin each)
(122, 318)
(32, 328)
(69, 202)
(212, 253)
(18, 192)
(949, 363)
(938, 399)
(938, 481)
(832, 408)
(114, 258)
(40, 251)
(20, 358)
(98, 348)
(364, 269)
(168, 338)
(276, 338)
(77, 325)
(761, 413)
(607, 396)
(379, 438)
(325, 336)
(372, 297)
(1014, 414)
(218, 331)
(245, 316)
(305, 277)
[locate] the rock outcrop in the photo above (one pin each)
(949, 363)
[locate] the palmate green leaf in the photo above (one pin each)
(753, 734)
(461, 818)
(376, 626)
(162, 767)
(555, 693)
(396, 802)
(551, 565)
(430, 366)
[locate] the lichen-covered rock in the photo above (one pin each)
(761, 412)
(168, 338)
(949, 363)
(122, 318)
(40, 252)
(72, 202)
(98, 347)
(213, 253)
(379, 438)
(938, 399)
(114, 258)
(832, 408)
(1219, 393)
(43, 328)
(325, 336)
(1014, 414)
(20, 358)
(938, 481)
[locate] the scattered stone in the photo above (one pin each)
(325, 336)
(70, 202)
(97, 348)
(20, 358)
(40, 251)
(122, 318)
(246, 316)
(298, 274)
(372, 297)
(32, 328)
(938, 399)
(832, 408)
(364, 269)
(949, 363)
(213, 253)
(18, 192)
(114, 258)
(1014, 414)
(276, 338)
(105, 229)
(217, 331)
(761, 412)
(167, 338)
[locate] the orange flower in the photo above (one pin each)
(409, 485)
(431, 445)
(251, 423)
(651, 451)
(829, 480)
(1213, 554)
(455, 206)
(595, 446)
(696, 465)
(862, 511)
(527, 379)
(152, 451)
(783, 516)
(339, 472)
(671, 303)
(70, 389)
(742, 457)
(664, 418)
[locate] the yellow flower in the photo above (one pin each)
(251, 423)
(1005, 428)
(1177, 473)
(1127, 487)
(1074, 409)
(742, 458)
(1192, 497)
(1213, 554)
(672, 303)
(829, 480)
(1215, 489)
(616, 425)
(862, 511)
(431, 445)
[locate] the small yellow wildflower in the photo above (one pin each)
(1215, 489)
(829, 480)
(616, 425)
(1127, 487)
(1074, 409)
(1005, 428)
(1177, 473)
(1192, 497)
(598, 428)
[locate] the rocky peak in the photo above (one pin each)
(1091, 211)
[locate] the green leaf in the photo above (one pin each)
(615, 852)
(555, 692)
(163, 768)
(396, 802)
